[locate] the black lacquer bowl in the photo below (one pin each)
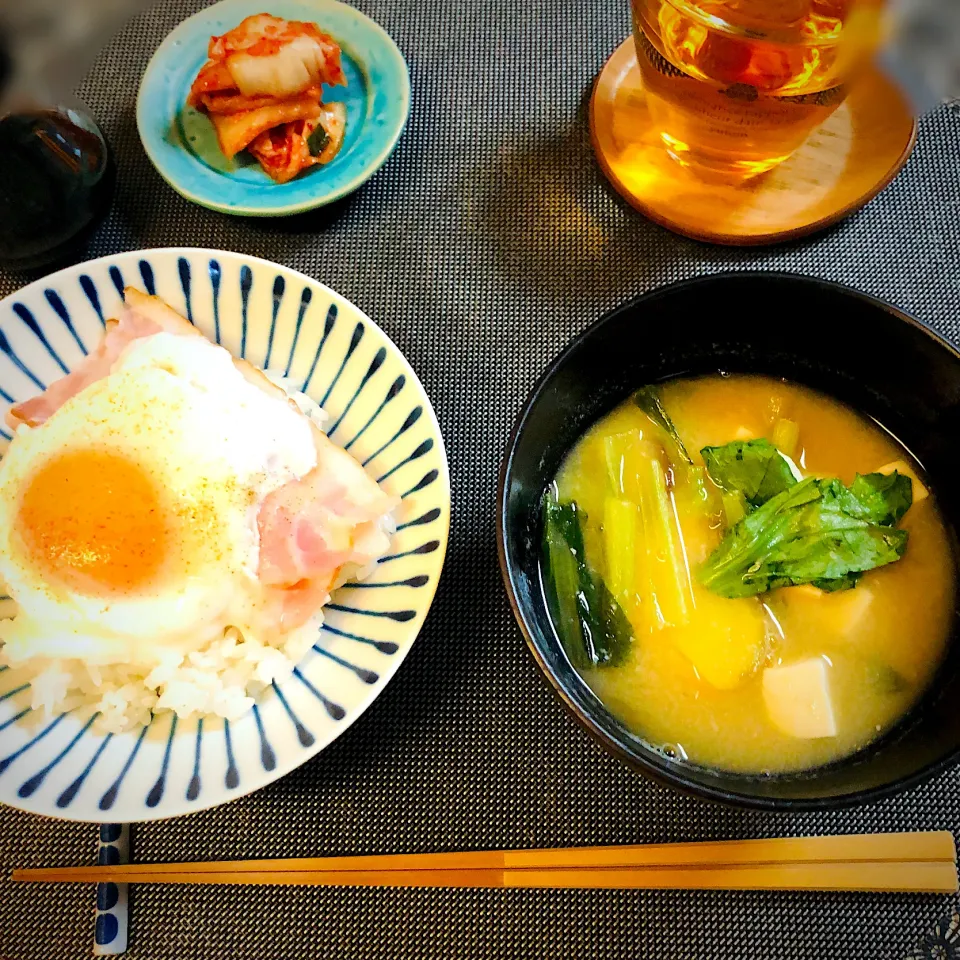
(857, 349)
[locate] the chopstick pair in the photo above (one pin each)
(898, 862)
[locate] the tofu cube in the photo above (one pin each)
(841, 614)
(797, 698)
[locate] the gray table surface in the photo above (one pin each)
(487, 241)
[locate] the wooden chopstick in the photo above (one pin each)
(889, 876)
(913, 847)
(713, 865)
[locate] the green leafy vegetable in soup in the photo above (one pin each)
(749, 570)
(648, 399)
(879, 498)
(817, 531)
(752, 468)
(593, 628)
(814, 531)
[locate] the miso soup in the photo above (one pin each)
(748, 574)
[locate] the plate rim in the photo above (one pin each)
(367, 171)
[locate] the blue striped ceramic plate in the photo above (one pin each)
(181, 142)
(283, 320)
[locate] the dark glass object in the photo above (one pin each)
(56, 181)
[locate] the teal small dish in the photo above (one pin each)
(181, 142)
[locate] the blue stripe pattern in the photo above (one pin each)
(335, 711)
(383, 646)
(367, 676)
(156, 791)
(49, 728)
(66, 798)
(354, 343)
(146, 274)
(305, 297)
(246, 282)
(429, 477)
(183, 269)
(412, 417)
(401, 616)
(278, 288)
(215, 275)
(421, 580)
(15, 718)
(90, 291)
(29, 787)
(31, 321)
(59, 308)
(428, 517)
(267, 757)
(395, 389)
(328, 326)
(14, 692)
(19, 364)
(375, 364)
(419, 452)
(193, 788)
(232, 777)
(305, 737)
(110, 797)
(429, 547)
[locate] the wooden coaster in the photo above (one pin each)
(843, 165)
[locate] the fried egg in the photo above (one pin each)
(128, 519)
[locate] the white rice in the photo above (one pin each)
(221, 679)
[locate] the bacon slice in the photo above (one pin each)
(145, 308)
(142, 316)
(309, 528)
(291, 607)
(92, 368)
(312, 527)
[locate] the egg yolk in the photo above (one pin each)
(94, 519)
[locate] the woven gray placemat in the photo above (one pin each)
(485, 243)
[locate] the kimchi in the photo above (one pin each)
(261, 88)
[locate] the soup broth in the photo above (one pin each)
(764, 680)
